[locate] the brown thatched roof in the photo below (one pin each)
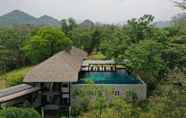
(62, 67)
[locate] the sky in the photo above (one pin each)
(105, 11)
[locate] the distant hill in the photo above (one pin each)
(162, 24)
(17, 17)
(179, 17)
(87, 23)
(47, 20)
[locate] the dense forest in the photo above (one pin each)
(158, 55)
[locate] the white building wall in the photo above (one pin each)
(139, 89)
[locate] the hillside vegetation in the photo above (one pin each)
(14, 77)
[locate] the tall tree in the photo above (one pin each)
(85, 38)
(68, 25)
(140, 29)
(64, 26)
(46, 42)
(11, 40)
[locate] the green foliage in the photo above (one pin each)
(120, 108)
(145, 59)
(81, 37)
(96, 56)
(15, 77)
(145, 56)
(87, 98)
(140, 29)
(19, 113)
(117, 39)
(10, 47)
(46, 42)
(98, 102)
(114, 41)
(68, 25)
(3, 84)
(86, 38)
(174, 54)
(169, 97)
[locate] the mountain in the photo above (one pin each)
(162, 24)
(47, 20)
(179, 17)
(17, 17)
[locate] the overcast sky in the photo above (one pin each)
(106, 11)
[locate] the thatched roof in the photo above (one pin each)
(62, 67)
(16, 92)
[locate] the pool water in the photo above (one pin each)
(118, 77)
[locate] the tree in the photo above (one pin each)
(11, 40)
(140, 29)
(86, 38)
(181, 4)
(145, 59)
(72, 24)
(96, 37)
(90, 98)
(46, 42)
(175, 50)
(168, 100)
(68, 25)
(115, 40)
(98, 102)
(19, 113)
(64, 26)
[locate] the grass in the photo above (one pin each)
(2, 84)
(13, 77)
(96, 56)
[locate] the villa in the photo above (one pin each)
(49, 85)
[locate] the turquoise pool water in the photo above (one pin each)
(118, 77)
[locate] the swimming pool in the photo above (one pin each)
(118, 77)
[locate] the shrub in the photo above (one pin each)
(19, 113)
(15, 77)
(45, 43)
